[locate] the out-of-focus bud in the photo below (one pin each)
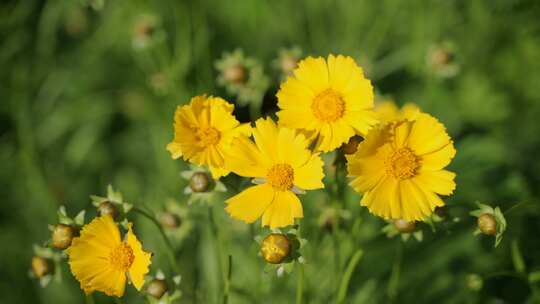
(62, 236)
(157, 288)
(170, 220)
(288, 64)
(351, 146)
(441, 212)
(108, 208)
(236, 74)
(487, 224)
(275, 248)
(41, 266)
(199, 182)
(474, 282)
(404, 226)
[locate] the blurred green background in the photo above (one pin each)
(85, 102)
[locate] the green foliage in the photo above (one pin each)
(88, 90)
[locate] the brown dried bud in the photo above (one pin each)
(157, 288)
(41, 266)
(108, 208)
(170, 220)
(487, 224)
(275, 248)
(199, 182)
(62, 236)
(351, 146)
(235, 74)
(404, 226)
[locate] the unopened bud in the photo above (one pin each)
(288, 64)
(275, 248)
(199, 182)
(157, 288)
(441, 212)
(235, 74)
(404, 226)
(351, 146)
(108, 208)
(170, 220)
(41, 266)
(62, 236)
(487, 224)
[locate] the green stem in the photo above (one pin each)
(117, 300)
(89, 299)
(227, 282)
(396, 270)
(300, 284)
(170, 248)
(347, 276)
(219, 251)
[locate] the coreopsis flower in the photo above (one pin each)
(399, 168)
(328, 99)
(102, 261)
(282, 166)
(204, 131)
(388, 111)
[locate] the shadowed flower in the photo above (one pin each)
(330, 99)
(102, 261)
(399, 168)
(282, 166)
(204, 131)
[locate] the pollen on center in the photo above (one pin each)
(122, 257)
(402, 164)
(281, 177)
(207, 136)
(328, 106)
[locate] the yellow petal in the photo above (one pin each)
(245, 159)
(313, 72)
(250, 204)
(266, 136)
(439, 159)
(441, 182)
(139, 267)
(283, 210)
(427, 135)
(310, 175)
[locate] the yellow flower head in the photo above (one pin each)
(387, 111)
(282, 165)
(204, 131)
(399, 168)
(101, 260)
(330, 99)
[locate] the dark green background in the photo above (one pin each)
(78, 111)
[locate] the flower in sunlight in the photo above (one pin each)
(101, 261)
(282, 166)
(330, 100)
(204, 131)
(388, 111)
(399, 168)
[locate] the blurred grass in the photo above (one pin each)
(79, 110)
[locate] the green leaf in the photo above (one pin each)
(517, 258)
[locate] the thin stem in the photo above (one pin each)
(227, 281)
(170, 249)
(219, 252)
(393, 283)
(117, 300)
(300, 284)
(89, 299)
(342, 293)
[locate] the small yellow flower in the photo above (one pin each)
(330, 99)
(399, 168)
(102, 261)
(387, 111)
(280, 162)
(204, 131)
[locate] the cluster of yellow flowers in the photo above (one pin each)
(398, 167)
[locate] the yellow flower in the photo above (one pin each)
(330, 99)
(387, 111)
(101, 260)
(282, 166)
(399, 168)
(204, 131)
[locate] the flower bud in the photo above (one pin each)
(157, 288)
(487, 224)
(199, 182)
(275, 248)
(235, 74)
(170, 220)
(108, 208)
(474, 282)
(62, 236)
(351, 146)
(41, 266)
(288, 64)
(441, 211)
(404, 226)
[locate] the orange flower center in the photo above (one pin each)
(207, 136)
(122, 257)
(281, 177)
(402, 164)
(328, 106)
